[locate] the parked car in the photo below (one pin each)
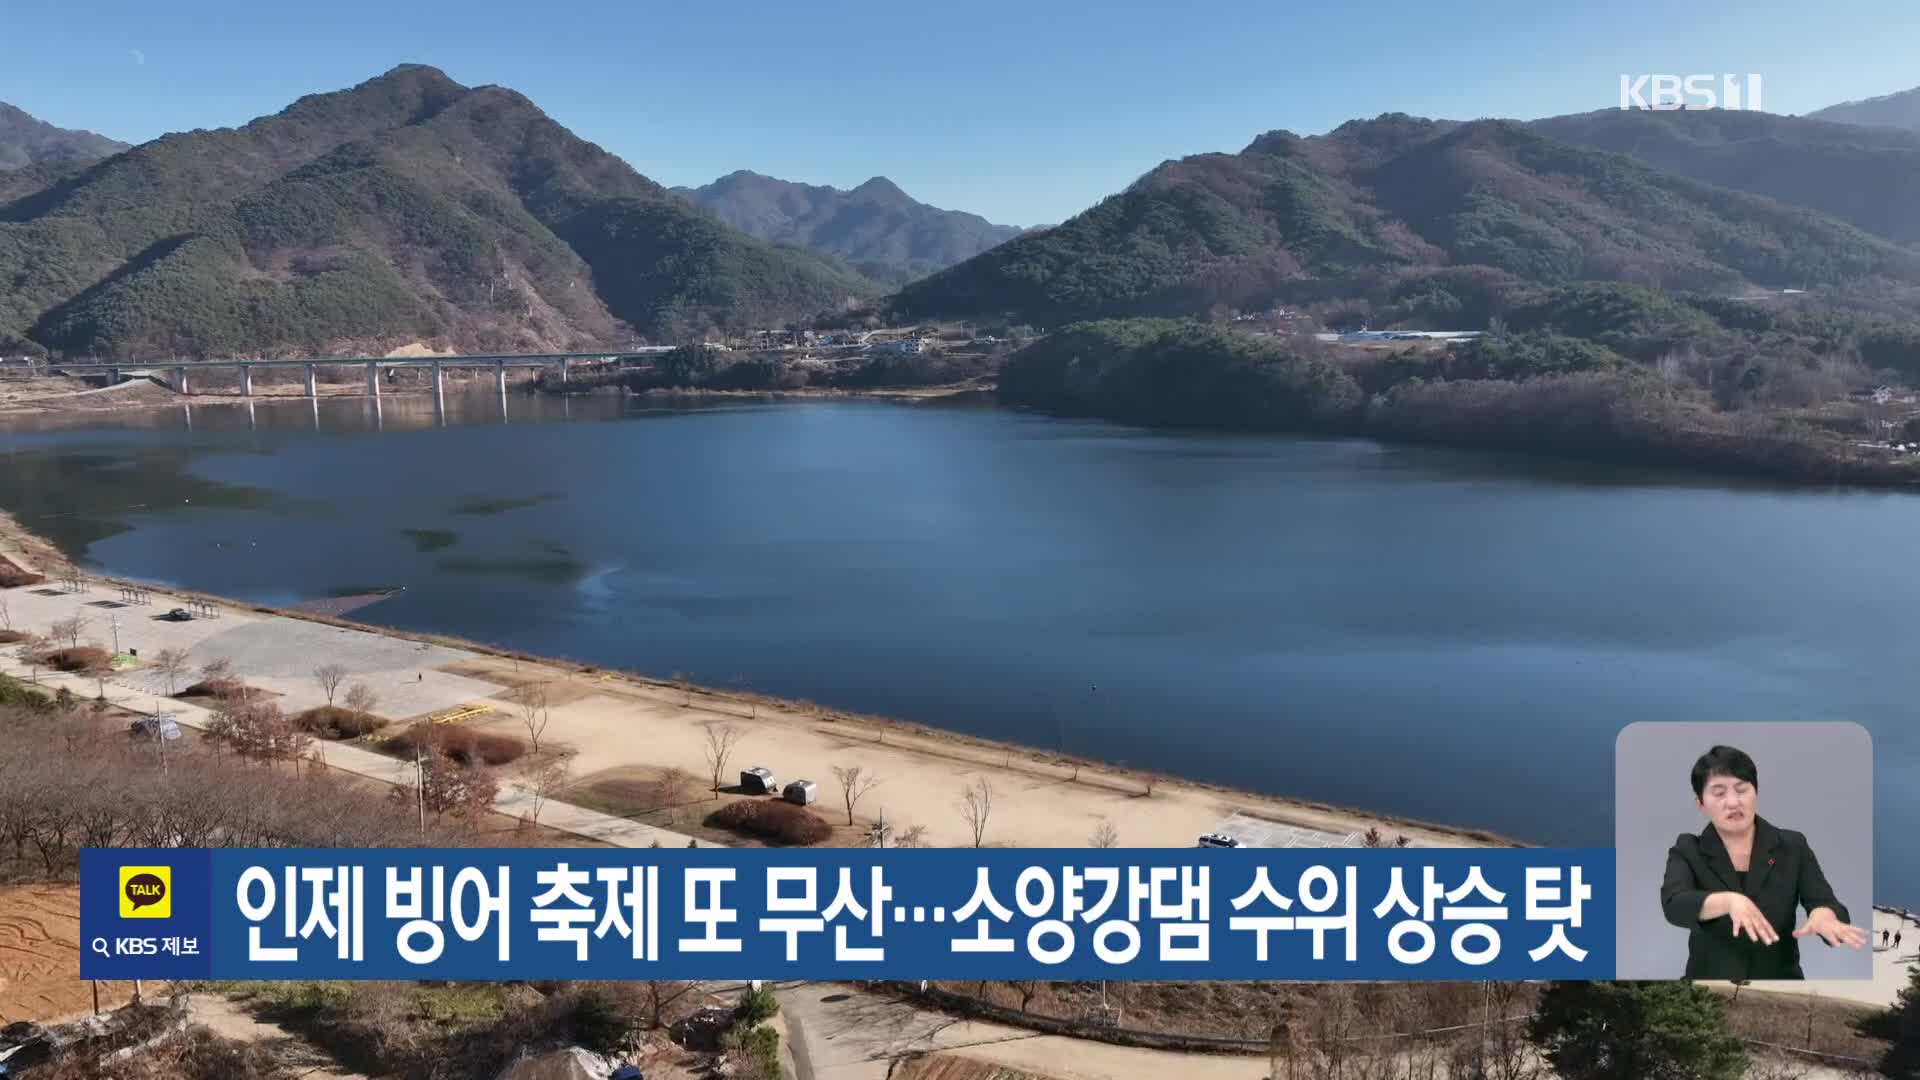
(154, 727)
(178, 614)
(1214, 839)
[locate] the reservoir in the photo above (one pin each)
(1437, 634)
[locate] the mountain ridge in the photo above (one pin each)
(407, 207)
(1377, 207)
(875, 227)
(1900, 109)
(1866, 176)
(27, 140)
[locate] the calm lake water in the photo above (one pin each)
(1444, 635)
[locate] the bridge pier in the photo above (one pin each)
(246, 380)
(439, 379)
(373, 380)
(500, 376)
(179, 380)
(563, 372)
(313, 382)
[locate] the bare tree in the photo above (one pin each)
(254, 729)
(976, 806)
(448, 787)
(913, 836)
(550, 778)
(531, 698)
(1372, 837)
(6, 613)
(69, 630)
(670, 791)
(361, 698)
(753, 703)
(295, 743)
(664, 992)
(329, 676)
(1767, 1067)
(31, 647)
(685, 686)
(218, 669)
(854, 783)
(1105, 836)
(172, 663)
(720, 745)
(1501, 1051)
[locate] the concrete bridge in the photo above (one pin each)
(182, 372)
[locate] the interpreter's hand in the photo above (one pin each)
(1824, 922)
(1748, 920)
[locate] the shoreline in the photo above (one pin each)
(953, 752)
(1044, 797)
(1706, 460)
(146, 395)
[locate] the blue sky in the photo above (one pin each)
(1026, 112)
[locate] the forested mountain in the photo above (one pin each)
(1869, 177)
(876, 228)
(409, 207)
(1901, 110)
(1380, 208)
(26, 141)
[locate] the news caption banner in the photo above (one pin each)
(718, 913)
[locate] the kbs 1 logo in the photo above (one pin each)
(1691, 92)
(146, 892)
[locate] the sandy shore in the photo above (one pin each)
(28, 551)
(619, 724)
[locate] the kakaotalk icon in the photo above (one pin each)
(146, 892)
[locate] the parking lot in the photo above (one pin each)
(1255, 832)
(273, 654)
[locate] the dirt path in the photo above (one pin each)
(841, 1033)
(40, 957)
(230, 1021)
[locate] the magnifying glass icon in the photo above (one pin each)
(100, 946)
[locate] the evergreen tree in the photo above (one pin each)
(1633, 1031)
(1900, 1026)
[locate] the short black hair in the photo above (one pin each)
(1723, 761)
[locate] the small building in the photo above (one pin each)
(758, 781)
(803, 792)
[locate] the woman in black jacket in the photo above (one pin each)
(1736, 886)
